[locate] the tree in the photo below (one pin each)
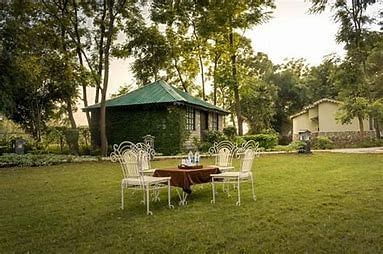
(216, 26)
(374, 72)
(319, 81)
(258, 103)
(228, 16)
(150, 51)
(37, 71)
(98, 23)
(354, 33)
(292, 93)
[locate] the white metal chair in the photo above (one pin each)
(236, 177)
(224, 153)
(129, 157)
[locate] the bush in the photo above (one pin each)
(213, 136)
(230, 132)
(296, 145)
(267, 141)
(32, 160)
(210, 137)
(284, 140)
(323, 142)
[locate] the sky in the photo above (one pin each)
(291, 33)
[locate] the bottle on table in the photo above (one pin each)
(197, 158)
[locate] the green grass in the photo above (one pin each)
(316, 203)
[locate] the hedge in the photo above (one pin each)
(166, 123)
(267, 141)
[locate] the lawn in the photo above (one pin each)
(317, 203)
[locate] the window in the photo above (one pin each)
(215, 121)
(190, 119)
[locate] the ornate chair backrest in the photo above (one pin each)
(144, 159)
(146, 147)
(224, 157)
(248, 151)
(247, 160)
(128, 155)
(143, 153)
(251, 144)
(224, 152)
(130, 164)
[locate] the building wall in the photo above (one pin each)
(301, 122)
(328, 123)
(196, 134)
(321, 121)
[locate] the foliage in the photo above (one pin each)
(210, 137)
(229, 132)
(39, 73)
(72, 136)
(323, 142)
(291, 94)
(32, 160)
(213, 136)
(320, 82)
(353, 107)
(353, 74)
(258, 104)
(166, 124)
(204, 34)
(267, 141)
(296, 145)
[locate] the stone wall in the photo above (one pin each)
(346, 137)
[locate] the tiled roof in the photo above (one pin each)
(305, 109)
(156, 93)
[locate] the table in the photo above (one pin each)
(185, 178)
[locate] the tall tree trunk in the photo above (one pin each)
(202, 76)
(361, 126)
(217, 56)
(101, 52)
(235, 85)
(377, 128)
(79, 55)
(104, 88)
(200, 60)
(175, 63)
(71, 135)
(215, 82)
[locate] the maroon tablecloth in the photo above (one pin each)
(185, 178)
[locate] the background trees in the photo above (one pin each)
(50, 50)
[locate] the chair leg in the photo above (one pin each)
(252, 187)
(169, 197)
(239, 193)
(143, 201)
(122, 196)
(213, 189)
(148, 212)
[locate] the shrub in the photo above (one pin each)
(267, 141)
(32, 160)
(323, 142)
(284, 140)
(212, 136)
(239, 140)
(296, 145)
(230, 132)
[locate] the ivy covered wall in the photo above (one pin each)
(166, 123)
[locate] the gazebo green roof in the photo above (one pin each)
(158, 92)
